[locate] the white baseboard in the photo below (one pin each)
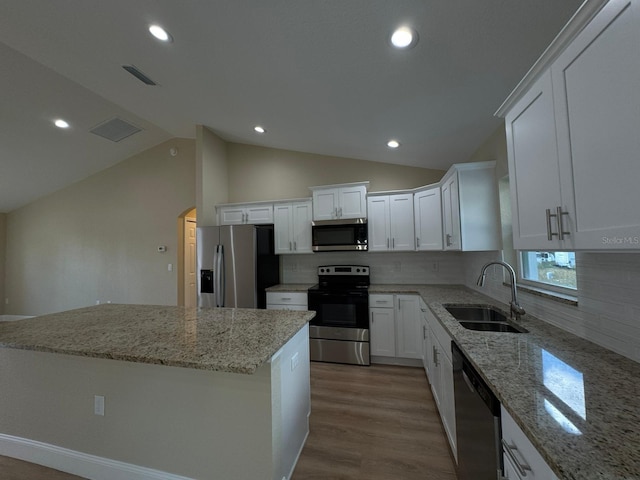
(78, 463)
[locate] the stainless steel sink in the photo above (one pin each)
(483, 318)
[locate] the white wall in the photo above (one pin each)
(212, 179)
(398, 267)
(97, 239)
(259, 173)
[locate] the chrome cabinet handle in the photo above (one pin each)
(449, 240)
(417, 242)
(559, 214)
(387, 243)
(550, 234)
(508, 449)
(290, 246)
(340, 212)
(393, 243)
(295, 246)
(424, 332)
(435, 356)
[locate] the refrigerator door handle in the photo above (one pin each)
(219, 280)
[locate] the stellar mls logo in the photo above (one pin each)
(621, 240)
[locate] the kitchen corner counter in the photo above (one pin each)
(577, 402)
(218, 339)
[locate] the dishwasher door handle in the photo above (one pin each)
(468, 382)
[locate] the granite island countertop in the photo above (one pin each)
(577, 402)
(221, 339)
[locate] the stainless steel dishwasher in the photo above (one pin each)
(478, 427)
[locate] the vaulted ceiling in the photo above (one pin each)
(319, 75)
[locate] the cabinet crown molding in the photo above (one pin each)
(342, 185)
(574, 26)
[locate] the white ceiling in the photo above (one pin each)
(319, 75)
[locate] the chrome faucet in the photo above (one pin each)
(516, 309)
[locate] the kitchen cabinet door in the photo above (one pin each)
(520, 454)
(352, 202)
(428, 219)
(451, 212)
(409, 338)
(301, 226)
(383, 332)
(259, 214)
(232, 216)
(378, 225)
(534, 176)
(596, 85)
(447, 400)
(245, 214)
(325, 204)
(282, 226)
(401, 222)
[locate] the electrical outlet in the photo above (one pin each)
(98, 405)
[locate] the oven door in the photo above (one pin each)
(340, 309)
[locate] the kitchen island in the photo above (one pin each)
(142, 392)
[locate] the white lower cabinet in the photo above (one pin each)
(395, 326)
(287, 301)
(521, 459)
(440, 371)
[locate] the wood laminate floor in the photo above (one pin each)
(374, 423)
(367, 423)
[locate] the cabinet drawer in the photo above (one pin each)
(377, 300)
(287, 298)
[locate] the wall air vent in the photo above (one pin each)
(135, 71)
(115, 129)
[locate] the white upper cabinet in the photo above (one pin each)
(573, 140)
(340, 201)
(533, 168)
(470, 209)
(259, 213)
(596, 85)
(390, 222)
(427, 209)
(292, 227)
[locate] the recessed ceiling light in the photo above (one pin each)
(393, 144)
(259, 129)
(60, 123)
(404, 38)
(160, 33)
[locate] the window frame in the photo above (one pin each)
(571, 292)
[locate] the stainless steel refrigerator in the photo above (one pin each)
(235, 264)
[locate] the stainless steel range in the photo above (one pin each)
(339, 333)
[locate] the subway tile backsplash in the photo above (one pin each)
(395, 267)
(608, 311)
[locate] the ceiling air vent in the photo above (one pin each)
(133, 70)
(115, 129)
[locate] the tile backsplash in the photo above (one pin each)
(608, 311)
(388, 267)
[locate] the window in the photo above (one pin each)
(551, 268)
(551, 271)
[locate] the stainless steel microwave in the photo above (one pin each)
(339, 235)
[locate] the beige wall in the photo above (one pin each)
(258, 173)
(98, 239)
(494, 148)
(212, 181)
(3, 248)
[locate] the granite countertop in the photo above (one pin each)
(577, 402)
(290, 287)
(232, 340)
